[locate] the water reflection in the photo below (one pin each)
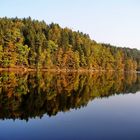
(28, 95)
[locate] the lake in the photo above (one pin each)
(69, 106)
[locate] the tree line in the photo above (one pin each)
(27, 43)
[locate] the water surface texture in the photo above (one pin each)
(69, 106)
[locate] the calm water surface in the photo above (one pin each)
(69, 106)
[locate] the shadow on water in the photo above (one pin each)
(30, 95)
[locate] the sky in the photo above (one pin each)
(106, 21)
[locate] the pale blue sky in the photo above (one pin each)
(110, 21)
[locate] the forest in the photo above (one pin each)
(31, 44)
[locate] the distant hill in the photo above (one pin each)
(33, 44)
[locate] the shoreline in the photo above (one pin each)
(60, 70)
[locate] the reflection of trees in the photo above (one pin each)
(34, 94)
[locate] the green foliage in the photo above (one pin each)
(34, 44)
(22, 58)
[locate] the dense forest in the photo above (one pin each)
(28, 95)
(27, 43)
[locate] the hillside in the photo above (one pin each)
(33, 44)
